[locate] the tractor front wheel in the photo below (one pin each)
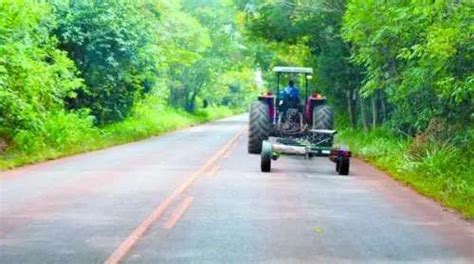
(259, 126)
(343, 166)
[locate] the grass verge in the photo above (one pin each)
(67, 134)
(442, 172)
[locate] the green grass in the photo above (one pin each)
(67, 134)
(442, 172)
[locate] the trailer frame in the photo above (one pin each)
(318, 143)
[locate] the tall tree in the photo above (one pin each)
(110, 42)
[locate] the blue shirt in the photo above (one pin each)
(290, 96)
(292, 92)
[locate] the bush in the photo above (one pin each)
(110, 42)
(65, 133)
(35, 76)
(149, 117)
(152, 117)
(61, 132)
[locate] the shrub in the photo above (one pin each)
(439, 170)
(110, 43)
(62, 131)
(35, 76)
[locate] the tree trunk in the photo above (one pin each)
(350, 96)
(373, 100)
(3, 145)
(383, 106)
(172, 96)
(364, 114)
(192, 97)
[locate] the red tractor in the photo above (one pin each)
(282, 123)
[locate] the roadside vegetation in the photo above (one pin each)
(82, 75)
(77, 75)
(67, 134)
(400, 75)
(438, 170)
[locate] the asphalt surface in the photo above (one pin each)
(196, 196)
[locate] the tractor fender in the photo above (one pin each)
(269, 99)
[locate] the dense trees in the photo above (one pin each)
(72, 64)
(183, 40)
(222, 71)
(316, 25)
(405, 62)
(111, 44)
(402, 64)
(35, 76)
(419, 55)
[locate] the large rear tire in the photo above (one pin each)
(323, 117)
(266, 157)
(259, 126)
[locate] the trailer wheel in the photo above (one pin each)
(259, 126)
(344, 166)
(266, 156)
(322, 117)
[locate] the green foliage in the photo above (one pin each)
(70, 133)
(35, 76)
(62, 131)
(314, 25)
(234, 89)
(150, 118)
(111, 44)
(210, 47)
(69, 65)
(420, 55)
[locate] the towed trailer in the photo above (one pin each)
(318, 144)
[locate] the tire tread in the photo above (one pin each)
(259, 126)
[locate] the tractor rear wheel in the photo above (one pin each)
(259, 126)
(322, 117)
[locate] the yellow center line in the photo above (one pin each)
(178, 212)
(124, 248)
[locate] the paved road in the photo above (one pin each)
(196, 196)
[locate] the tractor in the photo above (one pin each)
(281, 123)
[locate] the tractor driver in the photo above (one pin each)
(289, 97)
